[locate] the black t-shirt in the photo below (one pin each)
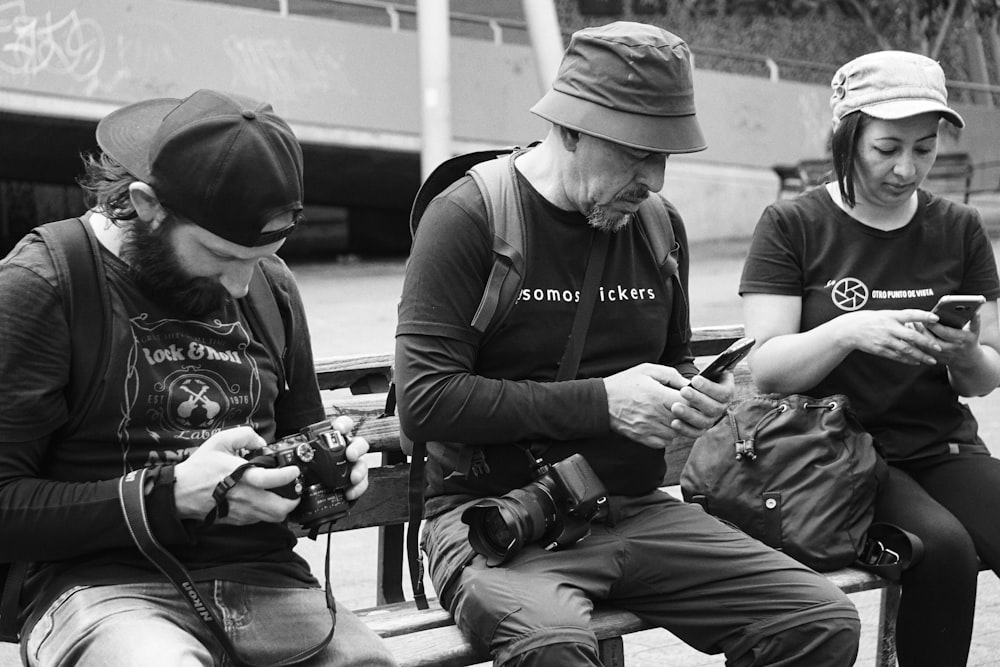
(171, 383)
(809, 247)
(507, 382)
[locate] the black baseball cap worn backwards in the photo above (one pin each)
(226, 162)
(629, 83)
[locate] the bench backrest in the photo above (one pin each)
(356, 386)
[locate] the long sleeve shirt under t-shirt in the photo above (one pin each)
(478, 402)
(172, 382)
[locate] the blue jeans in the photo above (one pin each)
(150, 624)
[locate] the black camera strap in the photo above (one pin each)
(569, 365)
(131, 493)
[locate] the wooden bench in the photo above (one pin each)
(950, 175)
(356, 386)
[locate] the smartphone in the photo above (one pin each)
(955, 310)
(729, 358)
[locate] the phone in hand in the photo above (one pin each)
(727, 359)
(955, 310)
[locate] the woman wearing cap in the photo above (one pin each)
(838, 288)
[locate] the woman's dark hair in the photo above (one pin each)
(844, 146)
(105, 186)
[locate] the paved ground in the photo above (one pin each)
(352, 309)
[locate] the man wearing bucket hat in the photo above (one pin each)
(838, 287)
(517, 444)
(190, 199)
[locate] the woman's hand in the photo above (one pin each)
(899, 335)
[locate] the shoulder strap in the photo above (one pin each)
(265, 320)
(12, 577)
(658, 230)
(493, 171)
(658, 220)
(497, 181)
(76, 255)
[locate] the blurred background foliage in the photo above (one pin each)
(809, 39)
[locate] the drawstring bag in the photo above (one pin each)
(799, 474)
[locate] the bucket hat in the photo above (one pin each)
(891, 85)
(226, 162)
(629, 83)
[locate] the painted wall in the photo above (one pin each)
(357, 85)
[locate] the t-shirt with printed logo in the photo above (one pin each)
(809, 247)
(172, 382)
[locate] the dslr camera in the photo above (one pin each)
(319, 451)
(556, 509)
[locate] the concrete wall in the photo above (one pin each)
(358, 85)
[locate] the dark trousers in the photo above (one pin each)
(952, 502)
(670, 563)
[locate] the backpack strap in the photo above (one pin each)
(497, 181)
(656, 226)
(265, 320)
(76, 256)
(12, 577)
(657, 220)
(418, 462)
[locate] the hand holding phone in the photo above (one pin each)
(955, 310)
(728, 359)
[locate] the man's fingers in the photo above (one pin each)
(233, 440)
(357, 449)
(269, 478)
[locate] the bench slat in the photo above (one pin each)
(429, 637)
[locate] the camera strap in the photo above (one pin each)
(132, 495)
(569, 365)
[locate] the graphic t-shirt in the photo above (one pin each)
(631, 324)
(172, 382)
(809, 247)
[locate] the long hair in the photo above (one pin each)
(844, 146)
(105, 186)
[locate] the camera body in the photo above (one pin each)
(319, 452)
(556, 509)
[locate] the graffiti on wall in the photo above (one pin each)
(66, 45)
(278, 68)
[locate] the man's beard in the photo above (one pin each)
(600, 218)
(157, 270)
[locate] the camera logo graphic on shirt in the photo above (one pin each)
(849, 294)
(195, 401)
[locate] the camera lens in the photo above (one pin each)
(499, 527)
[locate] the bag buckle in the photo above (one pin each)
(876, 553)
(745, 450)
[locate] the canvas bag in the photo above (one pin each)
(798, 473)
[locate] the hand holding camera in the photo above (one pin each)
(319, 451)
(318, 464)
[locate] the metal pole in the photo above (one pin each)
(546, 39)
(433, 34)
